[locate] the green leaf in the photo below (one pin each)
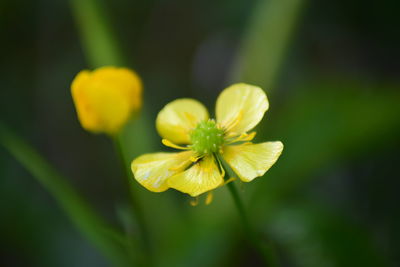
(93, 227)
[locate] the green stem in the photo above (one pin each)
(136, 208)
(99, 43)
(266, 252)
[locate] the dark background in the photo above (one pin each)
(332, 198)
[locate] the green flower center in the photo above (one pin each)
(207, 138)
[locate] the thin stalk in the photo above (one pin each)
(109, 240)
(136, 208)
(266, 252)
(97, 34)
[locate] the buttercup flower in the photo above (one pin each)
(106, 98)
(185, 124)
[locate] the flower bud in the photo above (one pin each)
(106, 98)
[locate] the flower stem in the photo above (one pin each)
(104, 236)
(136, 208)
(266, 252)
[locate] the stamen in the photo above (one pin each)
(209, 198)
(194, 201)
(168, 143)
(242, 137)
(249, 136)
(229, 180)
(231, 135)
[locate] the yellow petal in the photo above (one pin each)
(152, 170)
(201, 177)
(249, 161)
(106, 98)
(241, 107)
(177, 118)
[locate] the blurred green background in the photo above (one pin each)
(331, 72)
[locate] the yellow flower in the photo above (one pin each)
(106, 98)
(184, 124)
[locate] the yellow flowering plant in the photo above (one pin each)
(185, 124)
(106, 98)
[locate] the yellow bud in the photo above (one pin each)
(106, 98)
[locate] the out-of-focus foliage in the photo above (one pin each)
(330, 69)
(111, 242)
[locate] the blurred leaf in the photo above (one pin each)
(111, 242)
(325, 123)
(264, 45)
(315, 235)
